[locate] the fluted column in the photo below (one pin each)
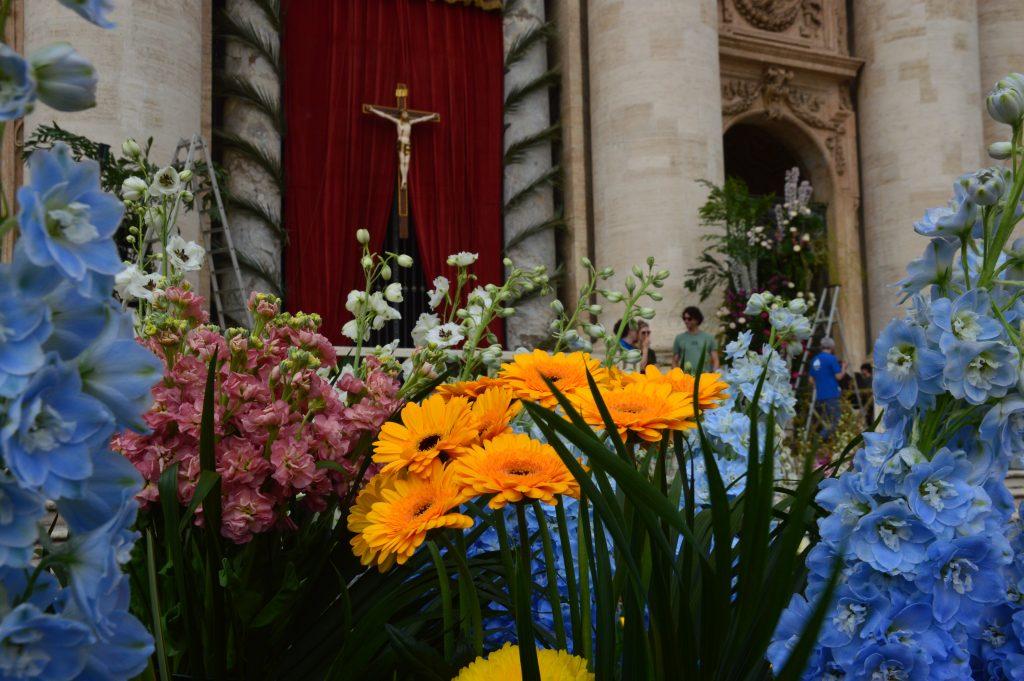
(153, 74)
(656, 130)
(920, 126)
(1001, 51)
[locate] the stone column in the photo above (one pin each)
(1001, 51)
(656, 130)
(920, 112)
(530, 324)
(153, 70)
(254, 240)
(569, 49)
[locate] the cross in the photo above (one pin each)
(404, 118)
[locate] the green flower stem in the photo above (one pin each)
(524, 618)
(444, 586)
(554, 598)
(583, 563)
(469, 603)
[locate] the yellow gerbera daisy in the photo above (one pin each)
(434, 428)
(523, 375)
(394, 513)
(712, 387)
(643, 408)
(514, 467)
(470, 389)
(493, 410)
(503, 665)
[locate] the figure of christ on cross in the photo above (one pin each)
(404, 118)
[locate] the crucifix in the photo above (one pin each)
(404, 118)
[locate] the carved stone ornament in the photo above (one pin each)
(778, 15)
(778, 96)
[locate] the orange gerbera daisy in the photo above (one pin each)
(434, 428)
(470, 389)
(643, 408)
(712, 387)
(523, 375)
(394, 513)
(514, 467)
(493, 410)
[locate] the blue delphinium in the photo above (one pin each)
(906, 369)
(92, 10)
(65, 80)
(71, 374)
(17, 85)
(67, 221)
(931, 568)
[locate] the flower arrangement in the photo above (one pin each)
(285, 433)
(931, 571)
(755, 235)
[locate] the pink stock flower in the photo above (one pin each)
(274, 420)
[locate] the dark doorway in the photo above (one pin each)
(759, 159)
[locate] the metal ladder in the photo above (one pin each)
(216, 237)
(826, 318)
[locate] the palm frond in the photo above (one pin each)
(242, 89)
(549, 177)
(516, 149)
(517, 94)
(245, 32)
(555, 222)
(272, 11)
(521, 46)
(248, 264)
(269, 163)
(244, 204)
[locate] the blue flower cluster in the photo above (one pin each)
(931, 566)
(71, 374)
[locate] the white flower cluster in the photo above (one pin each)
(787, 318)
(796, 202)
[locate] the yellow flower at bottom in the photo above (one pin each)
(514, 467)
(436, 428)
(645, 409)
(393, 514)
(712, 387)
(503, 665)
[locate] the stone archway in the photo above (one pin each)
(812, 118)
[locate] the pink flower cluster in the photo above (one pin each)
(276, 417)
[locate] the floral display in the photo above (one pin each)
(760, 246)
(277, 419)
(930, 575)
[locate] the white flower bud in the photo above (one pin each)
(366, 262)
(570, 335)
(595, 330)
(130, 148)
(796, 249)
(647, 312)
(1000, 150)
(363, 236)
(185, 175)
(404, 260)
(637, 272)
(585, 261)
(633, 356)
(507, 262)
(393, 292)
(133, 188)
(557, 307)
(187, 196)
(595, 309)
(385, 273)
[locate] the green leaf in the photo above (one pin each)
(420, 658)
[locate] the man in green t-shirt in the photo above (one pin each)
(688, 346)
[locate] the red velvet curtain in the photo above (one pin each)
(340, 163)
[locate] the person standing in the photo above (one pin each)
(638, 337)
(826, 371)
(692, 343)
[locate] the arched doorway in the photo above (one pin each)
(758, 158)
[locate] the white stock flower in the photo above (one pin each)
(445, 336)
(166, 182)
(383, 313)
(184, 256)
(436, 295)
(133, 188)
(351, 329)
(462, 259)
(425, 323)
(480, 296)
(131, 283)
(758, 303)
(393, 292)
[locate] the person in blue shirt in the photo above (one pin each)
(826, 371)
